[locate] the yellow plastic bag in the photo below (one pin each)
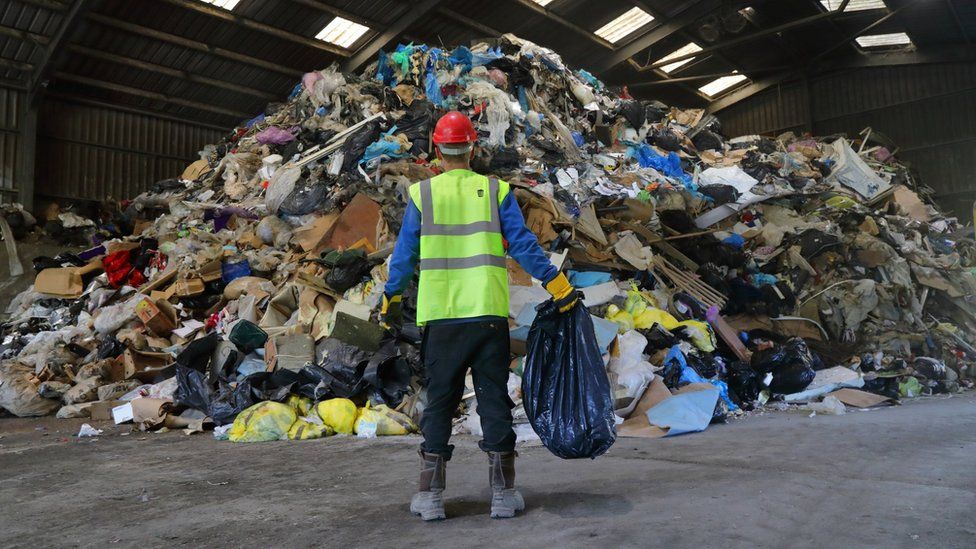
(381, 421)
(262, 422)
(302, 405)
(339, 414)
(640, 312)
(623, 319)
(306, 430)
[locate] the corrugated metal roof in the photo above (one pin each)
(24, 17)
(276, 62)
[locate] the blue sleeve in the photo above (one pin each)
(405, 253)
(523, 246)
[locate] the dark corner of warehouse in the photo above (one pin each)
(724, 249)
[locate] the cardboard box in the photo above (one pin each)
(159, 316)
(102, 409)
(188, 287)
(289, 351)
(148, 367)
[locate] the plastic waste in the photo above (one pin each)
(222, 405)
(263, 422)
(306, 430)
(566, 392)
(18, 393)
(909, 387)
(339, 414)
(631, 370)
(790, 363)
(830, 405)
(88, 431)
(382, 421)
(281, 185)
(247, 336)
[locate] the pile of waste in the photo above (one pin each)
(721, 274)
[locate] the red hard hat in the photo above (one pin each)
(454, 128)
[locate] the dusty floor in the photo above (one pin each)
(898, 477)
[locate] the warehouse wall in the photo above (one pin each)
(90, 152)
(928, 110)
(11, 104)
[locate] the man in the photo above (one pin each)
(455, 226)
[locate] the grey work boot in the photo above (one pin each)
(505, 499)
(429, 501)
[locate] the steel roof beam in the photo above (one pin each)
(748, 38)
(338, 12)
(171, 72)
(53, 50)
(251, 24)
(46, 4)
(549, 14)
(84, 100)
(756, 87)
(955, 16)
(26, 36)
(693, 12)
(469, 22)
(16, 65)
(155, 96)
(193, 45)
(371, 48)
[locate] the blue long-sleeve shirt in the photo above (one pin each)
(522, 246)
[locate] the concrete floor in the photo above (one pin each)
(897, 477)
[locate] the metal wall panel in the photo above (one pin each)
(928, 110)
(777, 110)
(88, 152)
(11, 102)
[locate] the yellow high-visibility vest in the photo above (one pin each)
(462, 257)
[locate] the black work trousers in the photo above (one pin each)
(448, 351)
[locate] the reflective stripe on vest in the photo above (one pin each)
(463, 270)
(463, 262)
(429, 228)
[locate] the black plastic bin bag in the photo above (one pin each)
(566, 392)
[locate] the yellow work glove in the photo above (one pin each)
(563, 293)
(390, 311)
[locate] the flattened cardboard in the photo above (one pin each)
(312, 236)
(360, 219)
(787, 326)
(860, 399)
(910, 203)
(60, 282)
(195, 170)
(636, 425)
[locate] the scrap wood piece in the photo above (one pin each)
(689, 283)
(731, 338)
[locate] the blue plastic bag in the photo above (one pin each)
(433, 89)
(565, 389)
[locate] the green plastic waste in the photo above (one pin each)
(248, 336)
(909, 387)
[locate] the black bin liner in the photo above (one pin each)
(791, 364)
(566, 393)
